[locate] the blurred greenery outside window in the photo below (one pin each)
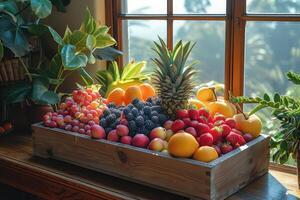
(272, 48)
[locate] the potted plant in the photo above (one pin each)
(75, 50)
(286, 109)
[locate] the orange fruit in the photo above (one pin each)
(131, 93)
(206, 94)
(196, 103)
(147, 91)
(205, 154)
(222, 107)
(116, 96)
(182, 145)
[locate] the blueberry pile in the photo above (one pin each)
(142, 117)
(111, 117)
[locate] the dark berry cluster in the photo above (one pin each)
(142, 117)
(111, 117)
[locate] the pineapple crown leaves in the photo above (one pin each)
(173, 62)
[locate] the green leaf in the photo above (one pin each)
(276, 98)
(57, 38)
(54, 67)
(42, 8)
(1, 50)
(91, 59)
(9, 6)
(39, 87)
(48, 97)
(86, 77)
(103, 41)
(267, 97)
(132, 70)
(78, 39)
(60, 4)
(16, 93)
(294, 77)
(67, 35)
(13, 37)
(90, 42)
(89, 24)
(114, 69)
(108, 53)
(72, 59)
(37, 29)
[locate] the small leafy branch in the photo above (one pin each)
(287, 110)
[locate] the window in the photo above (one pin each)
(246, 44)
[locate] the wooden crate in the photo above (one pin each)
(197, 180)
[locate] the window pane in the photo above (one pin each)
(273, 6)
(138, 37)
(272, 49)
(199, 6)
(144, 6)
(209, 49)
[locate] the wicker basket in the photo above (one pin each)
(11, 70)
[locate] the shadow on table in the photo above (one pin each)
(267, 188)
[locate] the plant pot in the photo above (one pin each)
(36, 112)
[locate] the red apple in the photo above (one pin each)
(158, 132)
(98, 132)
(113, 136)
(140, 140)
(156, 144)
(126, 139)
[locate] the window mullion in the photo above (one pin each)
(170, 24)
(238, 51)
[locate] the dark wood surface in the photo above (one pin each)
(51, 179)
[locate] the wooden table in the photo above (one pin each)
(51, 179)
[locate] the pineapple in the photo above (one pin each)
(172, 78)
(116, 77)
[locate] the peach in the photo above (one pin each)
(122, 130)
(168, 124)
(97, 132)
(169, 133)
(126, 139)
(113, 136)
(158, 132)
(156, 144)
(140, 140)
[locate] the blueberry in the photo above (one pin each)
(126, 111)
(147, 110)
(150, 100)
(135, 112)
(130, 106)
(148, 104)
(111, 105)
(139, 121)
(132, 126)
(129, 116)
(140, 105)
(149, 124)
(146, 117)
(162, 118)
(144, 130)
(103, 122)
(155, 119)
(111, 118)
(154, 113)
(156, 108)
(115, 124)
(117, 113)
(135, 101)
(106, 112)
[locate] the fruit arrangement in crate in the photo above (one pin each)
(148, 128)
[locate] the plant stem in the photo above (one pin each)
(238, 107)
(26, 69)
(61, 71)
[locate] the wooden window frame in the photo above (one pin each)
(235, 19)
